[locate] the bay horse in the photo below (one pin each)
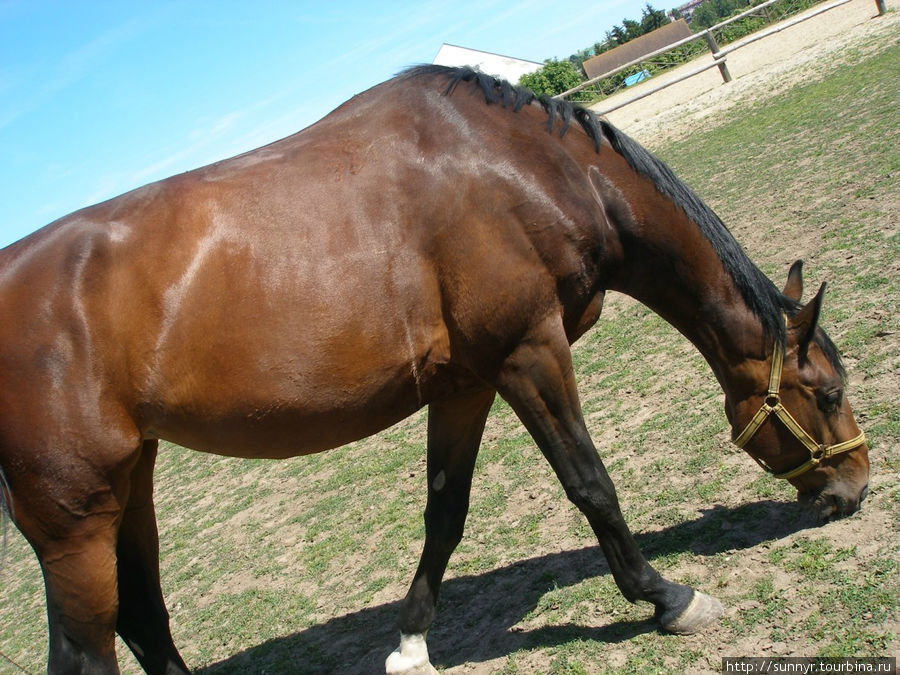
(436, 241)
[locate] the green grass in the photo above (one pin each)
(293, 566)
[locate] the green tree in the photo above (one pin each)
(553, 78)
(632, 29)
(651, 18)
(713, 11)
(704, 16)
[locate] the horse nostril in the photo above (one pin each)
(864, 493)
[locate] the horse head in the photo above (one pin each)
(795, 420)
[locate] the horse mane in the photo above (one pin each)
(757, 290)
(516, 97)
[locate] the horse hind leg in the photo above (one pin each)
(69, 512)
(87, 512)
(455, 427)
(143, 622)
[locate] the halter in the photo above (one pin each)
(772, 404)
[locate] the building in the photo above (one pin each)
(504, 67)
(687, 10)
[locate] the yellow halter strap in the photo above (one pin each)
(772, 404)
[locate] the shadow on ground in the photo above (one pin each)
(477, 612)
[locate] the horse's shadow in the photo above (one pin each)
(476, 613)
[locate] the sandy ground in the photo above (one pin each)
(762, 68)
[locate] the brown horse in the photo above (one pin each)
(427, 243)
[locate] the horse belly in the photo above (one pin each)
(299, 379)
(280, 429)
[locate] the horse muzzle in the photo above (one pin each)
(828, 504)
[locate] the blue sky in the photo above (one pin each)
(100, 96)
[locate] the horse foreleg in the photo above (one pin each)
(454, 433)
(143, 621)
(538, 382)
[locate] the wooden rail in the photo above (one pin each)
(717, 53)
(649, 92)
(777, 28)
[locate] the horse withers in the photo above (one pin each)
(440, 239)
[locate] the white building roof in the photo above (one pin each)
(505, 67)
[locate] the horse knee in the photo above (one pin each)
(595, 497)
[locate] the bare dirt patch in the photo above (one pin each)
(804, 52)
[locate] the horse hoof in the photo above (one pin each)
(426, 669)
(410, 658)
(702, 611)
(397, 664)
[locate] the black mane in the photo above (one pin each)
(757, 290)
(509, 95)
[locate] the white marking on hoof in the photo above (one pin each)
(702, 611)
(439, 482)
(410, 658)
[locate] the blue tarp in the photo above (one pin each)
(637, 77)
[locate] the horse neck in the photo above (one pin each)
(672, 268)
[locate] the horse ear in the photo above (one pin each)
(805, 321)
(793, 289)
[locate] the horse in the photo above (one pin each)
(438, 240)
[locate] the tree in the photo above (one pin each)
(632, 29)
(704, 16)
(553, 78)
(651, 18)
(711, 12)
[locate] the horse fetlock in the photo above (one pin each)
(411, 657)
(702, 611)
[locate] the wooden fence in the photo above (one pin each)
(719, 55)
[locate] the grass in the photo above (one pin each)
(297, 566)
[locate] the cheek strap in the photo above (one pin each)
(772, 404)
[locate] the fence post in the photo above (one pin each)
(714, 48)
(711, 41)
(882, 7)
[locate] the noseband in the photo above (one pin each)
(772, 404)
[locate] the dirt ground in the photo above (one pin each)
(760, 69)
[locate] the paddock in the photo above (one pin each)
(245, 586)
(806, 38)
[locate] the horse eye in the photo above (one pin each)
(831, 400)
